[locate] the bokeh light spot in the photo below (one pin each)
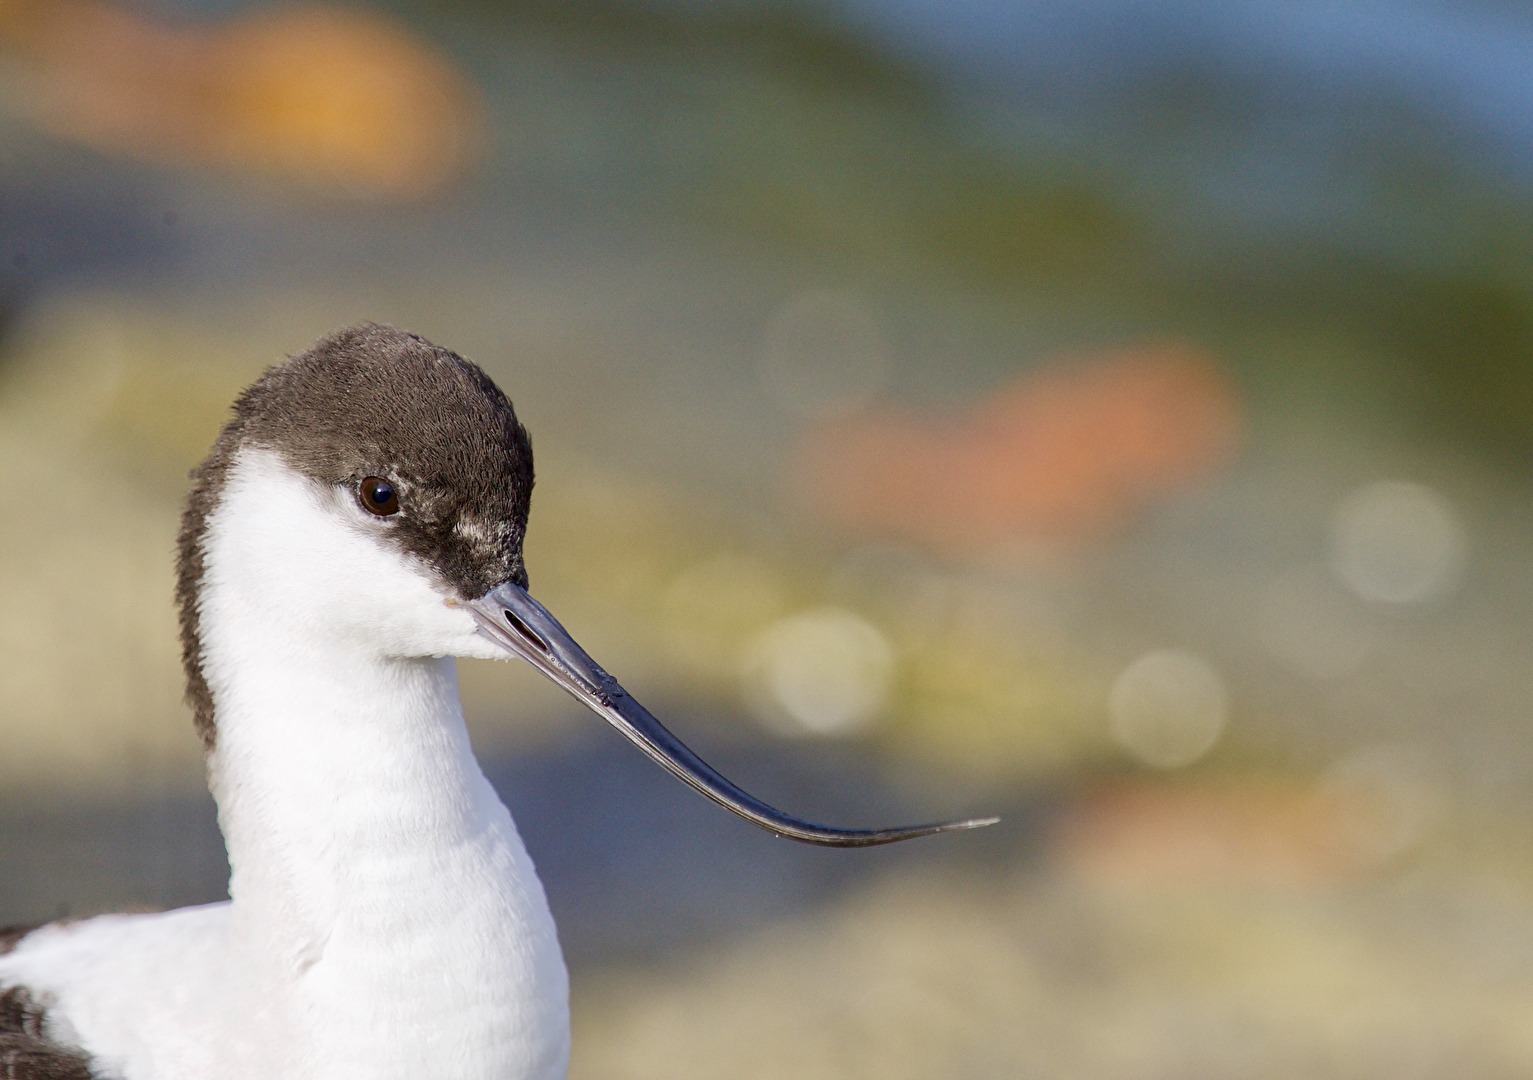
(1395, 799)
(821, 672)
(1397, 542)
(1168, 708)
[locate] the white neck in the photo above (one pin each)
(387, 912)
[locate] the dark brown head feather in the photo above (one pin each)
(374, 401)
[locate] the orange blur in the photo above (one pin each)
(344, 100)
(1058, 458)
(1193, 835)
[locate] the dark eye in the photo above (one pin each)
(378, 496)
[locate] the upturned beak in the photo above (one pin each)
(512, 619)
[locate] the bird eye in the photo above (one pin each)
(378, 496)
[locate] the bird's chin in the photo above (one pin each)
(455, 633)
(431, 629)
(474, 647)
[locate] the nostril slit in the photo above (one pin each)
(525, 630)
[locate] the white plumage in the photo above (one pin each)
(385, 919)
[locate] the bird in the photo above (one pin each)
(357, 526)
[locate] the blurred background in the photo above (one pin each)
(1118, 417)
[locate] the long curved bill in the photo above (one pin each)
(512, 619)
